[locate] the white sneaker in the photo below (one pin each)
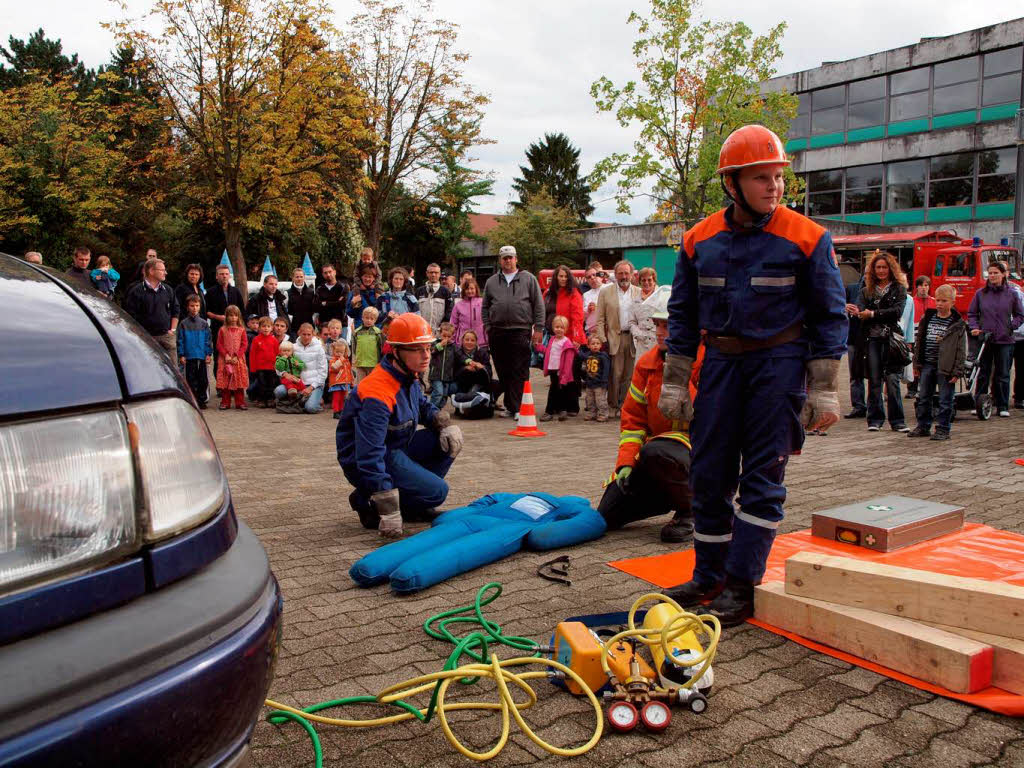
(872, 428)
(1005, 414)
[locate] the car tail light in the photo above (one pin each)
(183, 481)
(67, 496)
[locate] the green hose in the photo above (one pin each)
(464, 646)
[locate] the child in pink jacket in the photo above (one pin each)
(467, 314)
(559, 366)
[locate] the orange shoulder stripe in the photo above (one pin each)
(379, 385)
(703, 230)
(797, 228)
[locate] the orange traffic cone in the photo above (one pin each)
(527, 416)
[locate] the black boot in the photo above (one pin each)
(367, 516)
(421, 516)
(856, 413)
(735, 604)
(693, 593)
(679, 529)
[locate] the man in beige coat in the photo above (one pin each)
(613, 304)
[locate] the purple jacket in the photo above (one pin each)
(1001, 311)
(467, 316)
(565, 365)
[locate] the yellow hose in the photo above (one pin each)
(679, 624)
(496, 670)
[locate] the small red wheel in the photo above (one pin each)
(656, 716)
(622, 716)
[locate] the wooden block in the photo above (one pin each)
(983, 606)
(956, 663)
(1007, 659)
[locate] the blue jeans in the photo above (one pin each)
(856, 382)
(929, 380)
(877, 379)
(440, 391)
(312, 404)
(417, 471)
(1002, 355)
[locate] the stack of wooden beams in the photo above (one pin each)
(959, 633)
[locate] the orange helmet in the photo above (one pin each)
(751, 145)
(408, 330)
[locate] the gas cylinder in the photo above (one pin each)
(686, 646)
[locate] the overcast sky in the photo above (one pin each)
(536, 59)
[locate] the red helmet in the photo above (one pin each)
(408, 330)
(751, 145)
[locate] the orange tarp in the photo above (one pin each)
(977, 551)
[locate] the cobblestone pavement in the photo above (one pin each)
(774, 703)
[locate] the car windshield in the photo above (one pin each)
(1008, 255)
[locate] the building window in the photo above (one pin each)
(905, 188)
(1001, 84)
(800, 127)
(828, 110)
(909, 94)
(864, 189)
(997, 175)
(867, 103)
(825, 193)
(955, 86)
(951, 181)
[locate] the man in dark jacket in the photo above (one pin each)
(331, 296)
(79, 269)
(153, 305)
(301, 299)
(940, 350)
(268, 301)
(218, 299)
(512, 310)
(853, 360)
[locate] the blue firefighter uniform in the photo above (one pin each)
(767, 299)
(380, 448)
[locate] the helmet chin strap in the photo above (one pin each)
(738, 198)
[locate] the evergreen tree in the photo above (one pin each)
(554, 165)
(40, 56)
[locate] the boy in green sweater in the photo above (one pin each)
(367, 343)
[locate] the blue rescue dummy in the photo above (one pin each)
(490, 528)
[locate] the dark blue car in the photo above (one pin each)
(139, 619)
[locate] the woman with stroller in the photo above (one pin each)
(997, 310)
(880, 307)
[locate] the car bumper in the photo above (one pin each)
(174, 678)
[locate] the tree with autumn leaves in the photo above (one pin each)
(699, 81)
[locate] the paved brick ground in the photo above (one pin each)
(775, 703)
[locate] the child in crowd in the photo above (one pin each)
(262, 361)
(232, 374)
(333, 334)
(281, 331)
(922, 302)
(940, 351)
(594, 366)
(398, 300)
(252, 327)
(195, 350)
(472, 365)
(364, 295)
(385, 348)
(324, 335)
(289, 369)
(367, 344)
(339, 375)
(559, 365)
(442, 367)
(105, 277)
(366, 261)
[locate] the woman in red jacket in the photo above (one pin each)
(563, 298)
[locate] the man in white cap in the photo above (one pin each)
(513, 314)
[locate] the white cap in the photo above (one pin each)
(507, 250)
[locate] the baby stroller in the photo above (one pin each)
(966, 399)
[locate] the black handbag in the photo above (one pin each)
(899, 351)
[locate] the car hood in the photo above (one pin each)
(65, 345)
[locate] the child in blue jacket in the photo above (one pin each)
(195, 350)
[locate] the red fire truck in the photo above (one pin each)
(939, 254)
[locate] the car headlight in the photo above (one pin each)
(67, 495)
(183, 481)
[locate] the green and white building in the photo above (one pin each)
(924, 136)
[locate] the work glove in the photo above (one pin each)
(622, 478)
(385, 504)
(821, 410)
(449, 436)
(674, 401)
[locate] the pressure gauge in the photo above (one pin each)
(656, 716)
(622, 716)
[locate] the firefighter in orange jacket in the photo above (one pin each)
(652, 469)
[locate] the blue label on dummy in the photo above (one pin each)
(532, 506)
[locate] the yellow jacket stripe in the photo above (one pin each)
(637, 395)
